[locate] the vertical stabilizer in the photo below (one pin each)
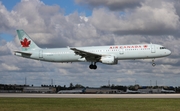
(25, 41)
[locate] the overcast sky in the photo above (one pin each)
(62, 23)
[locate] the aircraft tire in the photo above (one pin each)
(91, 66)
(94, 67)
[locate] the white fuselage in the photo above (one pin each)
(119, 52)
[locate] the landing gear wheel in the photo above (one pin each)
(91, 66)
(153, 64)
(94, 67)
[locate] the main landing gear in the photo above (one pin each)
(153, 64)
(93, 66)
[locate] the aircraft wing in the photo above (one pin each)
(88, 55)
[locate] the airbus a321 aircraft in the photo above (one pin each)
(105, 54)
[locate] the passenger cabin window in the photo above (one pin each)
(162, 48)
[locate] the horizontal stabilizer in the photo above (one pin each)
(23, 53)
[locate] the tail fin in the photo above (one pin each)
(26, 41)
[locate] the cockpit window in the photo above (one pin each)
(162, 48)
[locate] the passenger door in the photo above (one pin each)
(153, 49)
(121, 51)
(41, 54)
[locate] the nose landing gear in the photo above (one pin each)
(153, 64)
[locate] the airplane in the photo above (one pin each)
(104, 54)
(132, 92)
(167, 91)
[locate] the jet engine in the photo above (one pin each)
(110, 60)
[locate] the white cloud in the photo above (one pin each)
(147, 19)
(8, 67)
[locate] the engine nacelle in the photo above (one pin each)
(109, 60)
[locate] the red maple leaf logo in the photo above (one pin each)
(145, 46)
(25, 42)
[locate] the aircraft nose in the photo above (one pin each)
(168, 52)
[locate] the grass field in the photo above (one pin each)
(60, 104)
